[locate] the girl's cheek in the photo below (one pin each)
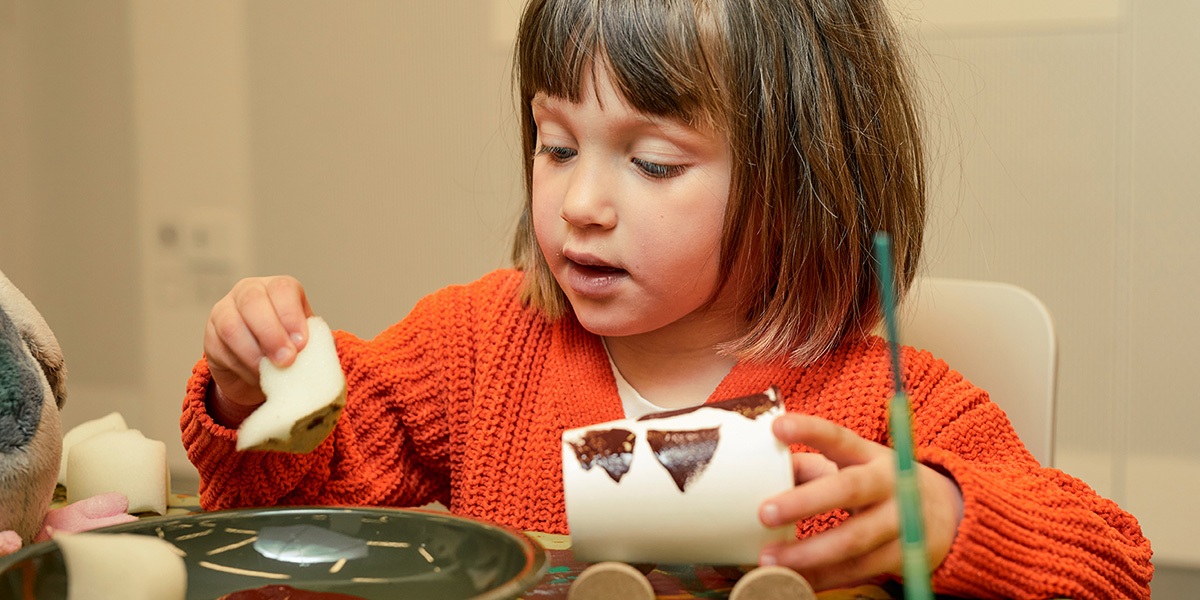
(542, 189)
(544, 214)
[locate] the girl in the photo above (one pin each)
(703, 178)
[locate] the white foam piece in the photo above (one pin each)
(109, 566)
(304, 399)
(120, 461)
(111, 422)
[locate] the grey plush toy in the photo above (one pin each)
(32, 391)
(33, 388)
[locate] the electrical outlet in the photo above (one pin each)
(198, 256)
(206, 239)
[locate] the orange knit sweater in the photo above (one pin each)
(464, 402)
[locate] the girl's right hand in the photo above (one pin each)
(260, 316)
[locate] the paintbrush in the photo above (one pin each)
(914, 560)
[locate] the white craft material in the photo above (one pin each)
(120, 461)
(304, 399)
(111, 422)
(646, 517)
(107, 566)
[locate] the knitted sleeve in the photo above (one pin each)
(1027, 531)
(391, 445)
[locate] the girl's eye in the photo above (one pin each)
(657, 171)
(557, 154)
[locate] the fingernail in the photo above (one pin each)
(297, 338)
(770, 514)
(766, 560)
(283, 354)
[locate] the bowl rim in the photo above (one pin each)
(535, 559)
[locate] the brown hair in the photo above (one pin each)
(815, 100)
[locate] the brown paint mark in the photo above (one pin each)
(611, 449)
(684, 454)
(285, 592)
(751, 407)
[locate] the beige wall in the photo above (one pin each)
(151, 153)
(1163, 283)
(1062, 152)
(68, 178)
(382, 161)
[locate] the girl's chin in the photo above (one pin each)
(605, 321)
(619, 319)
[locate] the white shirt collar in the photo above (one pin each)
(632, 402)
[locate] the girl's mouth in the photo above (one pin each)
(594, 280)
(600, 269)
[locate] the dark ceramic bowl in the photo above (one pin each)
(374, 553)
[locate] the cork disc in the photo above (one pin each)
(609, 580)
(772, 583)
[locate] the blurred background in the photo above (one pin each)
(152, 153)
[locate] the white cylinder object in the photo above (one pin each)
(677, 487)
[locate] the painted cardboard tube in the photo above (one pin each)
(677, 487)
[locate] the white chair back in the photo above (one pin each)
(1001, 338)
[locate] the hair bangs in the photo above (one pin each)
(657, 54)
(559, 45)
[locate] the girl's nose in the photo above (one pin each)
(588, 198)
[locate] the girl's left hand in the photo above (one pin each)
(859, 476)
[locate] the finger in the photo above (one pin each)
(943, 507)
(884, 559)
(258, 313)
(230, 347)
(807, 466)
(291, 307)
(234, 385)
(837, 443)
(857, 536)
(850, 488)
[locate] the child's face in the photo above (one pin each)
(628, 209)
